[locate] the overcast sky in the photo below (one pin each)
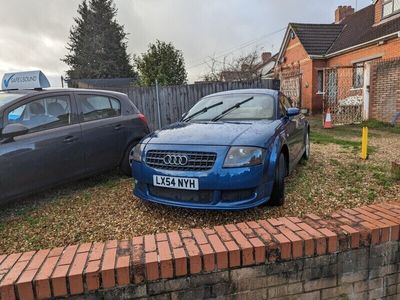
(33, 34)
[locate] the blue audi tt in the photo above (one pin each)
(231, 151)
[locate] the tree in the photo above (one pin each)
(97, 43)
(162, 62)
(240, 68)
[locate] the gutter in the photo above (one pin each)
(394, 34)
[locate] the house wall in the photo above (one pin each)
(385, 90)
(378, 11)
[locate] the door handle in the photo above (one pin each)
(69, 139)
(117, 127)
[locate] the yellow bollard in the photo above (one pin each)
(364, 143)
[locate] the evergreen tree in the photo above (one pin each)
(97, 44)
(162, 62)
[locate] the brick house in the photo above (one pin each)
(335, 63)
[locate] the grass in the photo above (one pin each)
(102, 207)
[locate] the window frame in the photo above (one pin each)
(87, 95)
(393, 12)
(356, 66)
(25, 101)
(320, 91)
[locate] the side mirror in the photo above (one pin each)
(293, 111)
(13, 130)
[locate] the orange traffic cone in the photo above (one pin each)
(328, 120)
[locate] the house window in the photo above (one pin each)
(358, 75)
(320, 78)
(390, 7)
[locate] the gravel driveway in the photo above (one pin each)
(103, 207)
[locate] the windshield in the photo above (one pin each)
(7, 97)
(260, 107)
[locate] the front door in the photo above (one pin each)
(49, 153)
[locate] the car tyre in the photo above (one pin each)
(306, 154)
(126, 163)
(278, 191)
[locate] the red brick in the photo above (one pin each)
(97, 251)
(223, 233)
(137, 240)
(150, 243)
(220, 250)
(180, 259)
(319, 237)
(199, 236)
(295, 219)
(289, 224)
(27, 256)
(259, 250)
(68, 255)
(332, 239)
(24, 284)
(56, 252)
(59, 281)
(175, 239)
(92, 275)
(85, 247)
(41, 281)
(263, 234)
(161, 237)
(313, 217)
(393, 235)
(350, 217)
(246, 230)
(384, 210)
(374, 230)
(193, 254)
(7, 283)
(151, 261)
(2, 257)
(233, 253)
(108, 268)
(138, 269)
(231, 227)
(297, 242)
(124, 245)
(275, 222)
(355, 235)
(208, 257)
(123, 270)
(366, 213)
(165, 255)
(208, 231)
(186, 234)
(284, 245)
(75, 276)
(111, 244)
(253, 224)
(38, 259)
(268, 227)
(245, 247)
(308, 242)
(9, 262)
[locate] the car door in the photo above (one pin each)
(49, 153)
(294, 130)
(102, 130)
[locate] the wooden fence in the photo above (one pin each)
(176, 100)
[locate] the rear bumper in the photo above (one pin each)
(219, 188)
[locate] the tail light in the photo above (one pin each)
(142, 118)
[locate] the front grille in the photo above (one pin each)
(196, 161)
(202, 197)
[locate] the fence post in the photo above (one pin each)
(158, 106)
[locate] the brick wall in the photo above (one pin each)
(385, 90)
(351, 254)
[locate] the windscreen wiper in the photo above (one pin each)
(201, 111)
(228, 110)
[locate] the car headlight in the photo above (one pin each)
(137, 152)
(244, 157)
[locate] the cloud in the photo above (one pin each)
(33, 34)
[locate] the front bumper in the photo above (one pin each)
(219, 188)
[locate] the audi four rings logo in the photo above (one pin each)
(175, 160)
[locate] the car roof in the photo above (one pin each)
(245, 91)
(27, 93)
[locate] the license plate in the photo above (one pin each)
(182, 183)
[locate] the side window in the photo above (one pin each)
(42, 114)
(95, 107)
(284, 103)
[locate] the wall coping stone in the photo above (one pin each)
(86, 268)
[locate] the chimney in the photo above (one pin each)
(342, 12)
(265, 56)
